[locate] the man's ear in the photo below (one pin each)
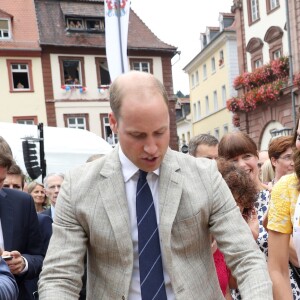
(113, 122)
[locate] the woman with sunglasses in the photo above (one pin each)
(281, 156)
(283, 220)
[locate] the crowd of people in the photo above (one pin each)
(147, 222)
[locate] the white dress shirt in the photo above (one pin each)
(131, 175)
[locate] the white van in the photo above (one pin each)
(64, 148)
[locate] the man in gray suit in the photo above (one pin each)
(97, 212)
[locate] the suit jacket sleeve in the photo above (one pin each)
(235, 240)
(66, 250)
(21, 229)
(8, 285)
(34, 251)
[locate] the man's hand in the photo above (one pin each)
(17, 263)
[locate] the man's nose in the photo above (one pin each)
(150, 147)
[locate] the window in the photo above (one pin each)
(106, 130)
(276, 54)
(193, 80)
(204, 72)
(197, 77)
(103, 76)
(207, 104)
(224, 96)
(257, 63)
(84, 24)
(215, 100)
(72, 71)
(254, 12)
(255, 48)
(93, 25)
(273, 37)
(217, 133)
(183, 138)
(213, 65)
(225, 129)
(221, 58)
(195, 111)
(76, 122)
(20, 75)
(271, 5)
(274, 3)
(145, 65)
(4, 29)
(198, 110)
(27, 120)
(79, 121)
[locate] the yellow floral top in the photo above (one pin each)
(284, 197)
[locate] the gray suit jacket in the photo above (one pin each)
(92, 214)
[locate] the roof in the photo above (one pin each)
(82, 9)
(51, 22)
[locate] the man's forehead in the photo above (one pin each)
(13, 177)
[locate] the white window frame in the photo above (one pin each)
(25, 121)
(224, 96)
(195, 111)
(276, 54)
(197, 77)
(204, 72)
(274, 4)
(207, 105)
(216, 106)
(77, 124)
(217, 133)
(79, 68)
(20, 69)
(258, 63)
(5, 31)
(106, 126)
(213, 65)
(142, 66)
(254, 10)
(198, 110)
(225, 129)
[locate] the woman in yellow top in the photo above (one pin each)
(280, 224)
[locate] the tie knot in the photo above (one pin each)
(143, 175)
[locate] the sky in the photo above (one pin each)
(179, 23)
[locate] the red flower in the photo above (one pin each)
(262, 85)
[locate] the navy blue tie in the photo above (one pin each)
(150, 262)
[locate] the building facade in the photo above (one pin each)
(264, 35)
(183, 121)
(75, 71)
(211, 73)
(22, 91)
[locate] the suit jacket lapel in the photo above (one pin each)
(170, 190)
(6, 217)
(113, 193)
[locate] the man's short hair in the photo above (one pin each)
(16, 170)
(45, 181)
(201, 139)
(4, 146)
(6, 160)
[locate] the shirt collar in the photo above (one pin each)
(129, 169)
